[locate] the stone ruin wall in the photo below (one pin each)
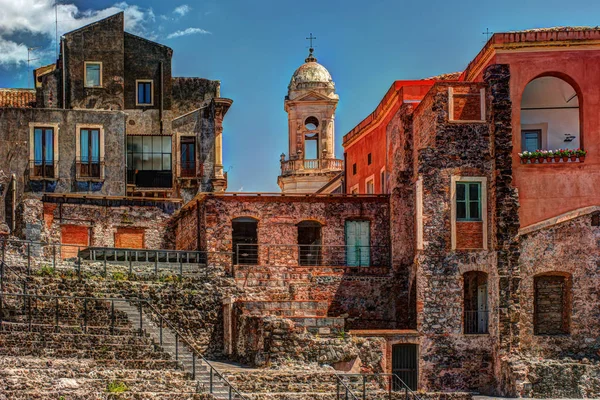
(450, 360)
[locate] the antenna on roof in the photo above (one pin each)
(29, 59)
(56, 25)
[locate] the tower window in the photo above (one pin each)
(311, 123)
(369, 159)
(354, 169)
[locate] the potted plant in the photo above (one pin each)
(564, 154)
(538, 156)
(573, 155)
(548, 154)
(581, 154)
(556, 154)
(525, 157)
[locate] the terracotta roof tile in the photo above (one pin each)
(20, 98)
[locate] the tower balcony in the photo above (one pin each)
(304, 166)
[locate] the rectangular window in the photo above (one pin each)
(93, 74)
(144, 93)
(531, 139)
(468, 201)
(188, 156)
(369, 159)
(149, 161)
(382, 183)
(354, 169)
(89, 150)
(43, 152)
(370, 186)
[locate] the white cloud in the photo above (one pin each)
(182, 10)
(188, 31)
(36, 17)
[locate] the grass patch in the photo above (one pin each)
(119, 276)
(46, 270)
(116, 387)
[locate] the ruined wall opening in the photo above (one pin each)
(309, 243)
(550, 115)
(475, 302)
(552, 304)
(245, 240)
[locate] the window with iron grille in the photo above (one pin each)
(43, 153)
(89, 162)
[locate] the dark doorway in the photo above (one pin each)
(309, 243)
(245, 240)
(404, 365)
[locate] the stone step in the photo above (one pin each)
(97, 354)
(123, 340)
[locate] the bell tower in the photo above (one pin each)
(310, 105)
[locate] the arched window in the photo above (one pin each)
(552, 303)
(475, 302)
(245, 240)
(550, 115)
(309, 243)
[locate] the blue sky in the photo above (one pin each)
(254, 46)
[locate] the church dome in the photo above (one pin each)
(311, 74)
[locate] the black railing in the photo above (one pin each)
(378, 382)
(42, 168)
(476, 322)
(150, 178)
(90, 168)
(50, 257)
(312, 255)
(187, 169)
(58, 312)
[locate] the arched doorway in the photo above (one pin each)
(309, 243)
(550, 115)
(244, 239)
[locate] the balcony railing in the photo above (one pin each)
(187, 169)
(150, 178)
(476, 322)
(291, 166)
(42, 168)
(311, 255)
(93, 168)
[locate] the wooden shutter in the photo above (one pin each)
(129, 238)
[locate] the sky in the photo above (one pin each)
(254, 46)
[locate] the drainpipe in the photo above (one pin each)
(64, 73)
(160, 111)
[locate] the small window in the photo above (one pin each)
(369, 159)
(188, 156)
(551, 304)
(144, 93)
(370, 186)
(532, 140)
(43, 153)
(468, 201)
(382, 182)
(93, 74)
(354, 169)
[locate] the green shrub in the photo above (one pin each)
(46, 270)
(119, 276)
(116, 387)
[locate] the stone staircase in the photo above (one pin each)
(170, 342)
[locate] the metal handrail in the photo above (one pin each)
(348, 390)
(3, 268)
(392, 376)
(195, 352)
(312, 255)
(130, 255)
(111, 300)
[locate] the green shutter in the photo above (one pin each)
(468, 201)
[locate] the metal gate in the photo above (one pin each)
(405, 365)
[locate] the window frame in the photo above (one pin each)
(383, 178)
(180, 167)
(100, 129)
(467, 201)
(483, 207)
(55, 155)
(85, 80)
(371, 180)
(355, 190)
(482, 109)
(137, 88)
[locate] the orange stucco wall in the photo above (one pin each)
(374, 143)
(547, 190)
